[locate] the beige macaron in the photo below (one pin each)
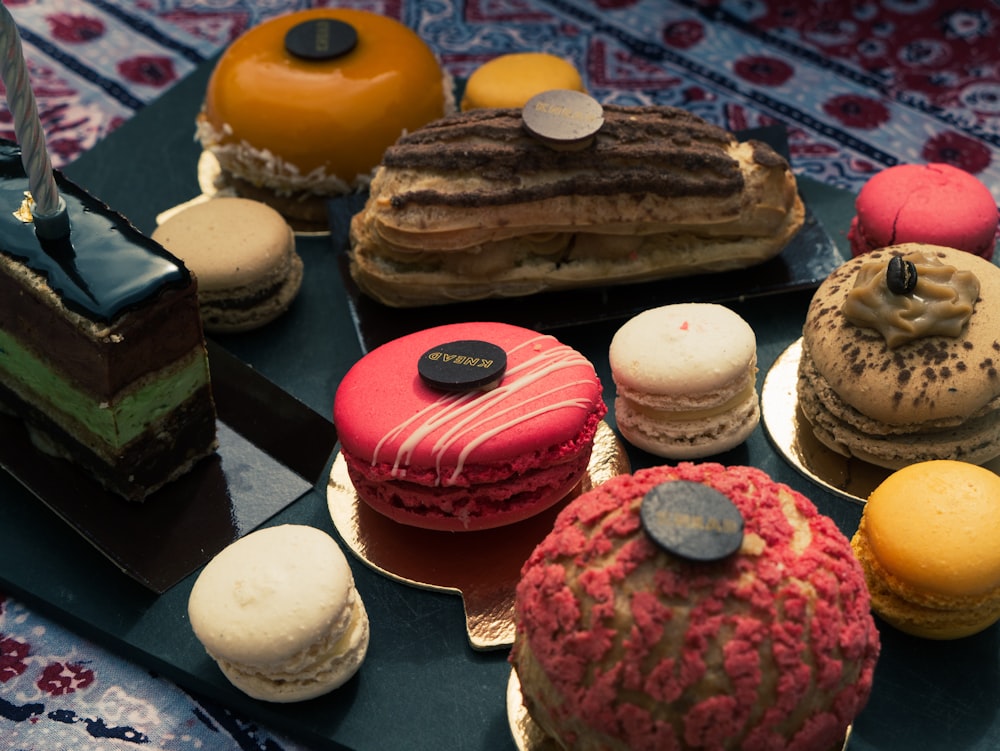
(686, 380)
(279, 612)
(243, 255)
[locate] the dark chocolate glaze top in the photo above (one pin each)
(104, 268)
(661, 150)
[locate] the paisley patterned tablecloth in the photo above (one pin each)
(859, 86)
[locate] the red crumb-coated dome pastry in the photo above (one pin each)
(935, 204)
(293, 123)
(623, 645)
(469, 459)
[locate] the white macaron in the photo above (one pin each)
(686, 380)
(279, 612)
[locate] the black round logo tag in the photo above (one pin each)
(466, 365)
(320, 39)
(692, 520)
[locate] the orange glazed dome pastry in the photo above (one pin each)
(694, 607)
(301, 107)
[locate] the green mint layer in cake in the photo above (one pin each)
(114, 423)
(102, 353)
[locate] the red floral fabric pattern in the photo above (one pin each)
(859, 86)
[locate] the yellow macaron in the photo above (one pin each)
(511, 80)
(928, 545)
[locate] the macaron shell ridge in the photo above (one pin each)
(269, 302)
(493, 504)
(689, 439)
(324, 667)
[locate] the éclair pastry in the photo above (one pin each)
(623, 643)
(473, 206)
(928, 545)
(296, 113)
(895, 375)
(685, 376)
(477, 455)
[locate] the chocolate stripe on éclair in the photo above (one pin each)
(659, 150)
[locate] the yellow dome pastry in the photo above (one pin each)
(927, 544)
(301, 107)
(511, 80)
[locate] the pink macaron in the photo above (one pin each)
(468, 426)
(935, 203)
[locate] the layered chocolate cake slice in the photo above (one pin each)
(102, 353)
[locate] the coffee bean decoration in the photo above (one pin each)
(692, 520)
(466, 365)
(901, 276)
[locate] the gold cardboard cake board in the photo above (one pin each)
(528, 736)
(791, 434)
(482, 566)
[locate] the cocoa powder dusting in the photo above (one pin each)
(656, 150)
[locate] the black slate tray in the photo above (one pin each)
(422, 686)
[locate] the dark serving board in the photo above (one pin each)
(422, 685)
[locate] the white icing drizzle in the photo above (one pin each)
(465, 414)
